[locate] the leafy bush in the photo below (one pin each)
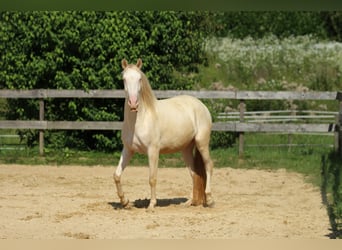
(83, 50)
(221, 139)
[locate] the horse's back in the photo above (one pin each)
(184, 105)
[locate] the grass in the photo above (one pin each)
(303, 159)
(277, 64)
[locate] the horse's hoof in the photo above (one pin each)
(210, 204)
(196, 203)
(188, 203)
(150, 209)
(126, 204)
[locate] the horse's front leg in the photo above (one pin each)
(125, 157)
(153, 157)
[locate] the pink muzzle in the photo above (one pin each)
(133, 103)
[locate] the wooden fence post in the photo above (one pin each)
(242, 109)
(339, 127)
(41, 132)
(337, 134)
(293, 112)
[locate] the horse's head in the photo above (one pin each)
(132, 78)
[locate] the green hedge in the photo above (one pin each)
(83, 50)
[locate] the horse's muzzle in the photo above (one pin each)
(133, 104)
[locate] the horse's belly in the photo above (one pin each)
(166, 145)
(174, 141)
(168, 142)
(170, 150)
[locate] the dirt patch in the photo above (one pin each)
(46, 202)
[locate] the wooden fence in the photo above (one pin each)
(241, 126)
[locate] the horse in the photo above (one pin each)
(178, 124)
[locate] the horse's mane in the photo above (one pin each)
(147, 96)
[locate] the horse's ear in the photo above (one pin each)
(124, 63)
(139, 63)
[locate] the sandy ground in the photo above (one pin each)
(47, 202)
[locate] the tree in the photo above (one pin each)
(257, 24)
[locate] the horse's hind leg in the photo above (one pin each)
(202, 144)
(125, 157)
(188, 157)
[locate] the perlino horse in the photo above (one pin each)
(153, 127)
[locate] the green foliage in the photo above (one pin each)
(3, 108)
(83, 50)
(262, 23)
(333, 24)
(282, 24)
(220, 139)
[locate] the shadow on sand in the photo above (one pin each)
(143, 203)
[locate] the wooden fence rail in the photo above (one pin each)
(241, 125)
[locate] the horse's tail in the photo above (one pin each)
(199, 178)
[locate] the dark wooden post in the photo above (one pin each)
(339, 127)
(242, 109)
(41, 132)
(337, 133)
(338, 130)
